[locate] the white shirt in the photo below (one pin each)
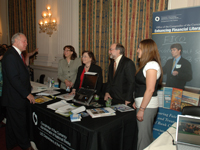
(17, 49)
(153, 103)
(117, 60)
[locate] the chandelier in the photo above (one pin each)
(48, 23)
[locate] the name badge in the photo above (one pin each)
(178, 66)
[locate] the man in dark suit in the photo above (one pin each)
(121, 76)
(178, 69)
(16, 94)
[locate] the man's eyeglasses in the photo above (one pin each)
(111, 49)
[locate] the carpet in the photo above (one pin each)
(3, 139)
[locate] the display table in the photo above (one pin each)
(164, 141)
(53, 131)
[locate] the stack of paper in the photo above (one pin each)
(101, 112)
(65, 109)
(65, 96)
(48, 92)
(57, 105)
(78, 110)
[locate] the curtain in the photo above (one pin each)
(22, 18)
(103, 22)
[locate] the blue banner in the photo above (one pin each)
(180, 26)
(180, 20)
(165, 118)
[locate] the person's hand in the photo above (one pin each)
(127, 102)
(107, 96)
(140, 115)
(31, 98)
(71, 84)
(73, 92)
(175, 73)
(36, 50)
(134, 106)
(68, 83)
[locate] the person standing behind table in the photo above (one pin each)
(121, 81)
(2, 109)
(147, 78)
(68, 67)
(178, 69)
(27, 55)
(89, 65)
(17, 94)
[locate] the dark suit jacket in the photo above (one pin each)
(122, 85)
(16, 80)
(93, 68)
(184, 73)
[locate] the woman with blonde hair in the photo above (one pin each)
(148, 76)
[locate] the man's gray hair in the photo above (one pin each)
(15, 36)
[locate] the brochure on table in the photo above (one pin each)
(38, 87)
(176, 99)
(42, 99)
(75, 117)
(66, 109)
(122, 108)
(65, 96)
(57, 105)
(101, 112)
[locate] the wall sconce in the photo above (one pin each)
(47, 24)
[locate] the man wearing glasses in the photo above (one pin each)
(121, 76)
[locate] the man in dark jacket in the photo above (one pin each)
(17, 94)
(178, 69)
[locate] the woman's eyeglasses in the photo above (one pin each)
(67, 50)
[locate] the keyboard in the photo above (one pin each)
(85, 92)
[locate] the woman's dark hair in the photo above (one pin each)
(72, 49)
(5, 46)
(91, 55)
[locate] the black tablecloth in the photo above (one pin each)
(52, 131)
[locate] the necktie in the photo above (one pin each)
(174, 62)
(114, 68)
(22, 57)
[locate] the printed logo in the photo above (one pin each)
(157, 18)
(35, 119)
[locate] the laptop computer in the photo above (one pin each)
(87, 90)
(188, 132)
